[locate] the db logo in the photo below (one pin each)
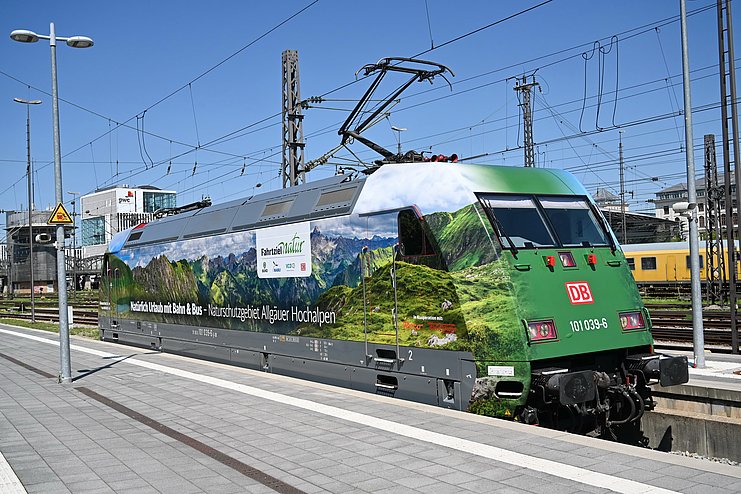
(579, 292)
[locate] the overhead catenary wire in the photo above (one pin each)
(669, 87)
(478, 124)
(576, 50)
(636, 30)
(429, 25)
(446, 43)
(629, 124)
(195, 119)
(460, 37)
(95, 171)
(144, 141)
(659, 117)
(201, 75)
(240, 50)
(184, 153)
(221, 141)
(507, 147)
(603, 52)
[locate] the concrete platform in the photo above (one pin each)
(140, 421)
(714, 390)
(702, 416)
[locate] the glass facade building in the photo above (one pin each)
(110, 210)
(158, 200)
(93, 231)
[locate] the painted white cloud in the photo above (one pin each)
(431, 187)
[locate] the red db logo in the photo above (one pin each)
(579, 292)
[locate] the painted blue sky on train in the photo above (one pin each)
(220, 134)
(192, 249)
(353, 227)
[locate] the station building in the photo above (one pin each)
(16, 258)
(639, 228)
(669, 196)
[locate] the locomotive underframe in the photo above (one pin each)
(603, 393)
(435, 377)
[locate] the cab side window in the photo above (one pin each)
(631, 263)
(412, 238)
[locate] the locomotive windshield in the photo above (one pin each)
(518, 219)
(526, 222)
(574, 221)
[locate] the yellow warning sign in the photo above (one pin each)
(59, 216)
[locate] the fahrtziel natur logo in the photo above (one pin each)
(579, 292)
(284, 251)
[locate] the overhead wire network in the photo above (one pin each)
(174, 92)
(633, 33)
(241, 132)
(232, 160)
(625, 35)
(140, 115)
(553, 108)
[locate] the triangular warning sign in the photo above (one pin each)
(59, 216)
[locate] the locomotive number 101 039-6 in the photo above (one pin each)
(588, 324)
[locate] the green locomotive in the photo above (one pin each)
(492, 289)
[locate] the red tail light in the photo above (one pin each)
(539, 331)
(630, 321)
(550, 261)
(592, 259)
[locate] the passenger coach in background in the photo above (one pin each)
(668, 262)
(492, 289)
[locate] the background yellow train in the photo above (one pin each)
(667, 261)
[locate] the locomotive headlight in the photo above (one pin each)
(544, 330)
(630, 321)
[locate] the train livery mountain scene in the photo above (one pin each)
(452, 294)
(493, 289)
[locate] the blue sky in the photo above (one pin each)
(146, 51)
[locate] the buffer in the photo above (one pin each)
(59, 216)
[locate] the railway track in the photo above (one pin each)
(712, 320)
(717, 337)
(86, 316)
(673, 322)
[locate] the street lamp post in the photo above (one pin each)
(698, 336)
(29, 171)
(25, 36)
(74, 243)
